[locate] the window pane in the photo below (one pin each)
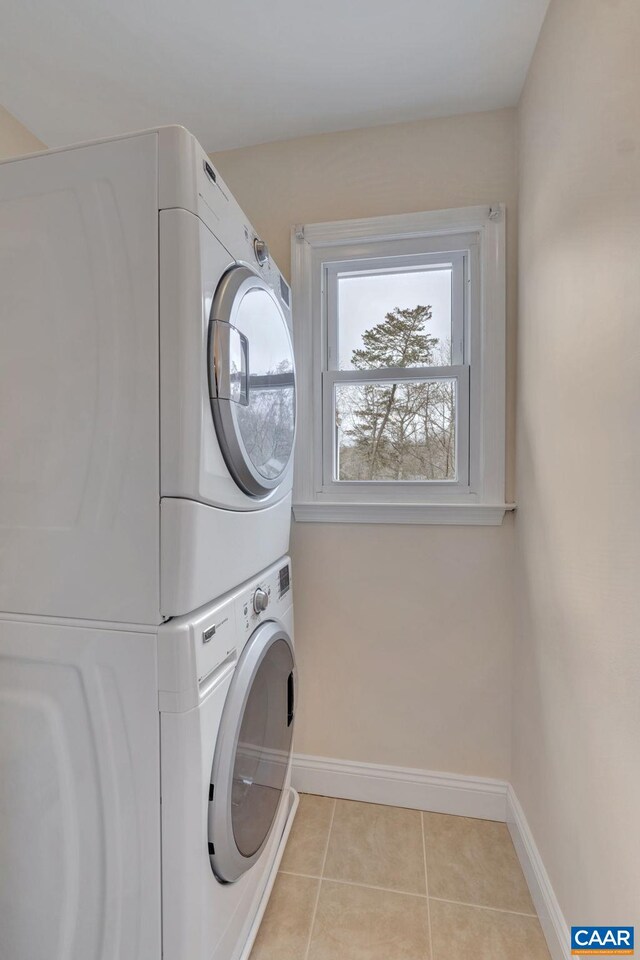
(395, 431)
(395, 319)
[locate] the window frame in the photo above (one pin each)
(318, 253)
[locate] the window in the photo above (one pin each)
(399, 331)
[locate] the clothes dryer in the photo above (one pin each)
(147, 384)
(227, 385)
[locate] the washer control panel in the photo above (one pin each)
(266, 599)
(198, 647)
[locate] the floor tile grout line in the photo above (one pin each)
(483, 906)
(299, 873)
(371, 886)
(426, 884)
(326, 846)
(408, 893)
(324, 860)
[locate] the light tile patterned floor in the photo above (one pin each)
(359, 881)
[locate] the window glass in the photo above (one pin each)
(395, 431)
(395, 318)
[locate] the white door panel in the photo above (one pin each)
(79, 382)
(79, 794)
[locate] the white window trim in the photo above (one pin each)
(484, 503)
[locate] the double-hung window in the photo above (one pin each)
(399, 330)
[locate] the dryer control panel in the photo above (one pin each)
(189, 180)
(257, 255)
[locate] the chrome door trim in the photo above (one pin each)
(234, 285)
(227, 862)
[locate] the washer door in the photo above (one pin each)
(252, 752)
(251, 381)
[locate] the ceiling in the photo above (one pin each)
(245, 72)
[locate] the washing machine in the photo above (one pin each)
(227, 683)
(145, 790)
(147, 384)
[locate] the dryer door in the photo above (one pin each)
(251, 381)
(252, 752)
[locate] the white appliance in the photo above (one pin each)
(227, 701)
(147, 391)
(140, 770)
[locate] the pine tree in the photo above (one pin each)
(403, 430)
(401, 340)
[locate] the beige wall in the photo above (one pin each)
(14, 138)
(404, 633)
(577, 680)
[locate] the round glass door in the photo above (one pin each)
(252, 752)
(252, 381)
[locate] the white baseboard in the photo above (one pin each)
(552, 920)
(401, 787)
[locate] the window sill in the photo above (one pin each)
(460, 514)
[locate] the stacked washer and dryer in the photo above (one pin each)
(147, 670)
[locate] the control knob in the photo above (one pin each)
(260, 600)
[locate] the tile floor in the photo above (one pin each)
(360, 881)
